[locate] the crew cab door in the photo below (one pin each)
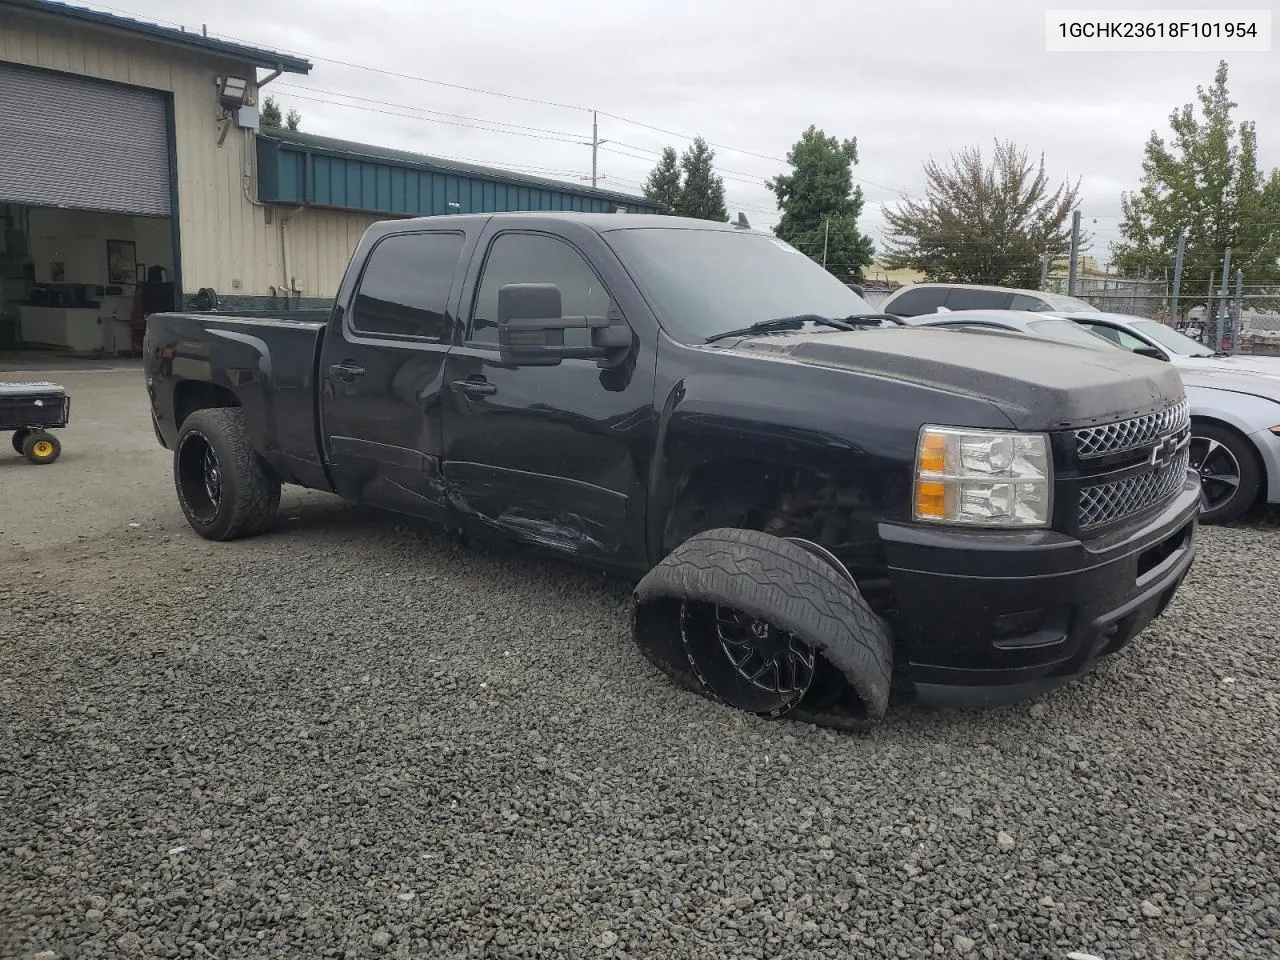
(556, 454)
(382, 369)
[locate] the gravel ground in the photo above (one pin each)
(349, 738)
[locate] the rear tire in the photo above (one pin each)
(224, 488)
(1230, 475)
(19, 438)
(40, 447)
(696, 612)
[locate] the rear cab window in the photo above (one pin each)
(404, 289)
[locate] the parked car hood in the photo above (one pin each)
(1040, 385)
(1254, 384)
(1267, 366)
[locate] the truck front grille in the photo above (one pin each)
(1128, 434)
(1109, 502)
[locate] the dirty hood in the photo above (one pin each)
(1038, 384)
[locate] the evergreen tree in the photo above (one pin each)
(702, 193)
(820, 204)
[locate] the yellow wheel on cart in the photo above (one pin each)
(40, 447)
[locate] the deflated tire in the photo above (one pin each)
(764, 625)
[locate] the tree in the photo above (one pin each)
(702, 193)
(982, 224)
(820, 204)
(1208, 183)
(663, 183)
(271, 116)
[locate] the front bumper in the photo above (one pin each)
(987, 618)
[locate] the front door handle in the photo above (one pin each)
(476, 388)
(346, 371)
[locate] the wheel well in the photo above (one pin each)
(786, 501)
(192, 395)
(1240, 435)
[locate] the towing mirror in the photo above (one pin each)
(531, 328)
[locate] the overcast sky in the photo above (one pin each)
(909, 79)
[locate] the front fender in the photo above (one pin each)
(1251, 416)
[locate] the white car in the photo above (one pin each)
(1140, 334)
(1235, 411)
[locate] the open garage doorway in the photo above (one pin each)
(88, 245)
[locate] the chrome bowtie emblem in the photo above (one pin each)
(1163, 452)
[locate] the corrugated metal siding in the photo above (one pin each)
(295, 174)
(68, 141)
(225, 237)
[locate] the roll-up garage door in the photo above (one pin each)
(68, 141)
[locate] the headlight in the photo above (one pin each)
(984, 478)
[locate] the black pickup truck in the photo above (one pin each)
(815, 500)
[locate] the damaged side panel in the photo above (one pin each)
(568, 515)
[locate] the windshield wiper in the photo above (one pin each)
(862, 318)
(779, 324)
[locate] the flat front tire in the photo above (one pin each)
(764, 625)
(224, 488)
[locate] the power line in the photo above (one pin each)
(508, 96)
(413, 116)
(439, 113)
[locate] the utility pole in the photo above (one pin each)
(826, 235)
(1177, 278)
(595, 145)
(1044, 271)
(1075, 253)
(1222, 310)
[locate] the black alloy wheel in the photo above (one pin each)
(746, 661)
(200, 475)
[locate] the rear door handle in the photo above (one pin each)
(346, 371)
(476, 388)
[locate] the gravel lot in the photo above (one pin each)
(351, 739)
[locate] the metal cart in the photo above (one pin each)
(31, 410)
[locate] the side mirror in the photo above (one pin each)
(1152, 352)
(531, 328)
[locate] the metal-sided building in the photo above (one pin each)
(134, 176)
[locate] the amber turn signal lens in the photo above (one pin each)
(931, 499)
(933, 454)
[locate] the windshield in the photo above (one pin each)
(704, 282)
(1068, 332)
(1171, 339)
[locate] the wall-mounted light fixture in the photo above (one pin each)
(233, 92)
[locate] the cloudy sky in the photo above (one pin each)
(910, 79)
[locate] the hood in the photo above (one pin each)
(1237, 380)
(1265, 366)
(1038, 384)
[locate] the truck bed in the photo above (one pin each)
(268, 362)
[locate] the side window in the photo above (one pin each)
(1023, 302)
(534, 258)
(404, 290)
(1118, 337)
(967, 298)
(916, 303)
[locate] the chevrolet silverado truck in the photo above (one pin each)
(816, 504)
